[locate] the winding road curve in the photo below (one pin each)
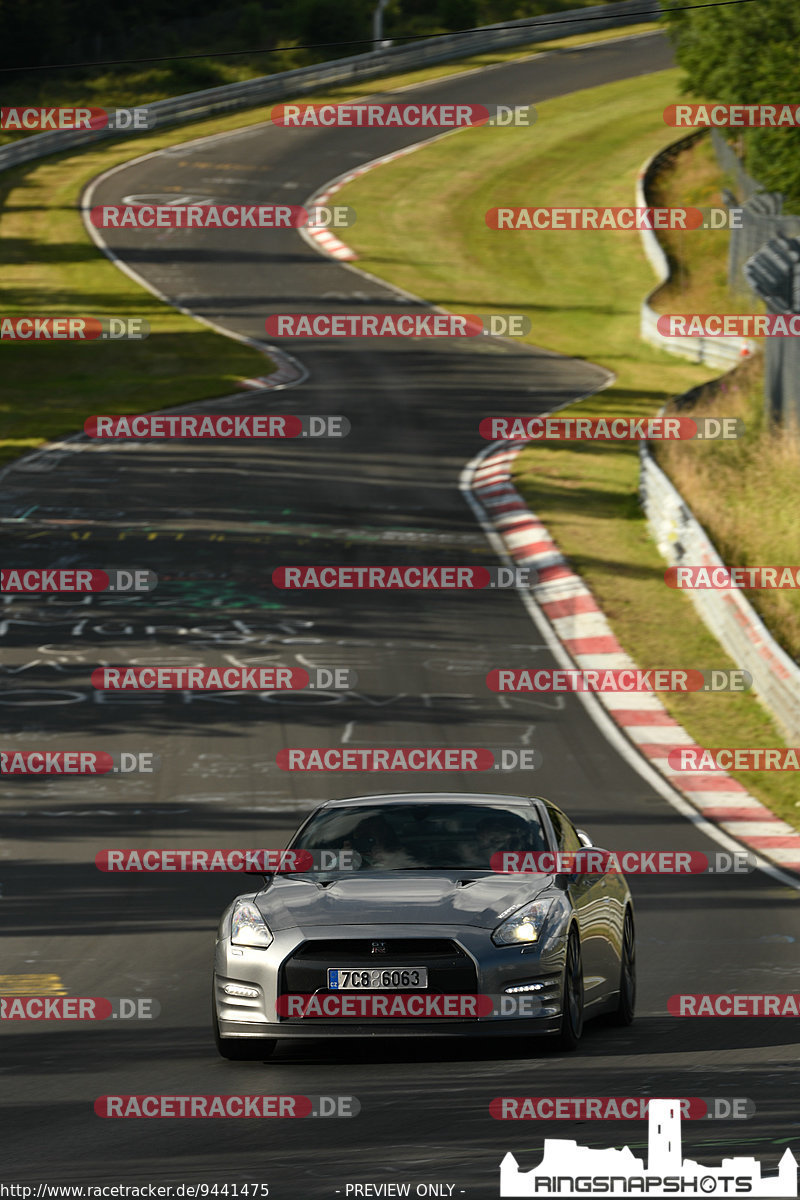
(231, 513)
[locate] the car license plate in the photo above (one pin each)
(382, 979)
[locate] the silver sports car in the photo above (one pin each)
(426, 937)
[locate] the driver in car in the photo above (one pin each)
(377, 843)
(499, 832)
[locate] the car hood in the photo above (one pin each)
(398, 898)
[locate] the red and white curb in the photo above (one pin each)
(583, 631)
(289, 371)
(330, 244)
(327, 242)
(323, 239)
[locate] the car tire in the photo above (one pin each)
(242, 1049)
(572, 995)
(626, 1009)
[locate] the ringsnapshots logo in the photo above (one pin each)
(397, 325)
(226, 679)
(408, 758)
(397, 578)
(401, 115)
(219, 426)
(45, 120)
(618, 679)
(610, 429)
(73, 329)
(570, 1170)
(56, 579)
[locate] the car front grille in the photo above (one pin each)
(450, 969)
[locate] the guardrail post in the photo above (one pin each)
(773, 273)
(377, 25)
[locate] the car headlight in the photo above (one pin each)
(248, 927)
(524, 925)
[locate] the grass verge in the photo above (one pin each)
(52, 268)
(747, 495)
(581, 291)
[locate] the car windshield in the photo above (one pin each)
(425, 836)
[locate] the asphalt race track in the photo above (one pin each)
(213, 521)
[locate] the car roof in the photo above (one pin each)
(429, 797)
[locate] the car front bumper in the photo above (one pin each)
(497, 968)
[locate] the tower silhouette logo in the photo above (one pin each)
(568, 1169)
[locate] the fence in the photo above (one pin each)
(774, 275)
(773, 272)
(763, 260)
(682, 540)
(270, 88)
(729, 160)
(761, 220)
(762, 214)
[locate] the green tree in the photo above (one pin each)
(747, 54)
(332, 21)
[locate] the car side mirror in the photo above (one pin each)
(584, 837)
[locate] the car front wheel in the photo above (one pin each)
(572, 995)
(627, 974)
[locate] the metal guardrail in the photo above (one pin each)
(680, 537)
(774, 275)
(681, 540)
(723, 352)
(762, 215)
(286, 84)
(761, 219)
